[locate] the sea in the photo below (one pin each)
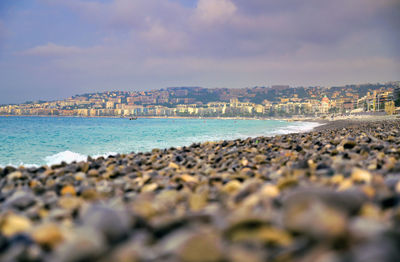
(36, 141)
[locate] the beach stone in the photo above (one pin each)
(260, 159)
(397, 187)
(21, 200)
(69, 202)
(68, 190)
(349, 144)
(366, 229)
(90, 194)
(380, 249)
(48, 235)
(93, 173)
(84, 167)
(149, 187)
(308, 214)
(201, 247)
(85, 244)
(189, 179)
(7, 170)
(238, 253)
(198, 201)
(113, 224)
(173, 165)
(80, 176)
(361, 176)
(125, 253)
(14, 175)
(12, 224)
(269, 190)
(265, 234)
(232, 186)
(22, 248)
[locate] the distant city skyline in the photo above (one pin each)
(276, 101)
(52, 49)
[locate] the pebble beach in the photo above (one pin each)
(329, 195)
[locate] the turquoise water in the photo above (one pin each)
(49, 140)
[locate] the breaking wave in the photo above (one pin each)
(299, 127)
(69, 157)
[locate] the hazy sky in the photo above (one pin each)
(53, 49)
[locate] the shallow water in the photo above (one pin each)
(49, 140)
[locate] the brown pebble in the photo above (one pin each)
(202, 247)
(68, 190)
(48, 235)
(12, 224)
(361, 176)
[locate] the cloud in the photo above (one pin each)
(149, 44)
(227, 28)
(213, 12)
(162, 39)
(51, 49)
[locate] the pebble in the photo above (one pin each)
(68, 190)
(361, 176)
(113, 224)
(21, 200)
(48, 235)
(12, 224)
(202, 247)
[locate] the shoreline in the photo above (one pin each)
(288, 119)
(322, 125)
(69, 156)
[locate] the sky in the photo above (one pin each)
(53, 49)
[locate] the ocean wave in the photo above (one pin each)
(66, 156)
(299, 127)
(69, 157)
(20, 164)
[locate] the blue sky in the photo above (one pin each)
(51, 49)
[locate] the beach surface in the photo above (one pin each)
(332, 194)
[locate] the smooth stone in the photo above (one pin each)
(14, 175)
(112, 223)
(80, 176)
(349, 144)
(68, 190)
(361, 176)
(202, 247)
(85, 244)
(12, 224)
(21, 200)
(308, 214)
(48, 235)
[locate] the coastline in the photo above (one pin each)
(71, 151)
(323, 119)
(69, 156)
(295, 196)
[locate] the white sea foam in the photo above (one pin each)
(66, 156)
(20, 164)
(105, 155)
(69, 157)
(299, 127)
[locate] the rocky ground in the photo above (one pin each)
(328, 195)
